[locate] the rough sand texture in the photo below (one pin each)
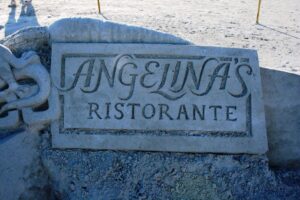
(228, 23)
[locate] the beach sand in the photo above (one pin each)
(223, 23)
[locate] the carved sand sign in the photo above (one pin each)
(158, 97)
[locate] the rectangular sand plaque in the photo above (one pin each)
(158, 98)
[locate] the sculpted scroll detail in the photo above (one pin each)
(25, 88)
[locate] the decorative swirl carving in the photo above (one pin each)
(25, 84)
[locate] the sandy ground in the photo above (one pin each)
(227, 23)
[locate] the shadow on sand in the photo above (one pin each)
(27, 18)
(281, 91)
(278, 31)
